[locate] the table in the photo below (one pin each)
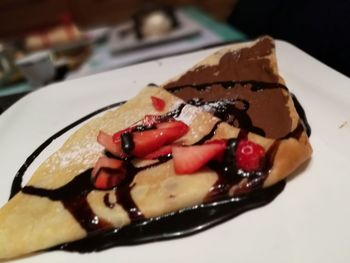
(212, 33)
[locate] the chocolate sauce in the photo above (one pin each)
(213, 82)
(302, 115)
(127, 142)
(234, 181)
(248, 104)
(209, 135)
(102, 235)
(228, 111)
(174, 225)
(107, 202)
(73, 197)
(123, 194)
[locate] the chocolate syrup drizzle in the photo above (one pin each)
(229, 84)
(232, 111)
(218, 207)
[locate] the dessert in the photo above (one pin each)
(138, 173)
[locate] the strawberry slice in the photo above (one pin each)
(158, 103)
(190, 159)
(162, 151)
(223, 142)
(108, 179)
(249, 156)
(174, 129)
(148, 141)
(105, 162)
(148, 121)
(106, 141)
(116, 136)
(107, 173)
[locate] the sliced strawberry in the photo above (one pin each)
(223, 142)
(107, 179)
(249, 156)
(162, 151)
(106, 141)
(174, 129)
(148, 121)
(116, 136)
(148, 141)
(172, 124)
(105, 162)
(107, 173)
(190, 159)
(158, 103)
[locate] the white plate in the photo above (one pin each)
(309, 220)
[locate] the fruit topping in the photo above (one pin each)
(148, 122)
(162, 151)
(151, 140)
(107, 173)
(116, 136)
(140, 140)
(158, 103)
(107, 141)
(249, 156)
(190, 159)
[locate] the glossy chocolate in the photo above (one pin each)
(267, 107)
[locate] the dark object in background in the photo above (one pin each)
(320, 28)
(154, 20)
(7, 101)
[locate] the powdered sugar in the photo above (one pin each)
(82, 154)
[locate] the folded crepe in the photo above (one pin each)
(61, 203)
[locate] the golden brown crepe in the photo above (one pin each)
(30, 223)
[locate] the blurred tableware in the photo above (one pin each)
(124, 37)
(38, 68)
(8, 70)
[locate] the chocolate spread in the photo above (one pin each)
(268, 108)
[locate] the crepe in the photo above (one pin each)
(60, 205)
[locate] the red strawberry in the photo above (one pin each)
(107, 173)
(116, 136)
(158, 103)
(174, 129)
(106, 141)
(223, 142)
(105, 162)
(190, 159)
(148, 141)
(162, 151)
(107, 179)
(249, 156)
(148, 120)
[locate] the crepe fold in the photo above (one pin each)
(31, 223)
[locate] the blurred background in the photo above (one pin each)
(45, 41)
